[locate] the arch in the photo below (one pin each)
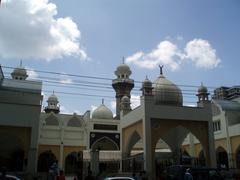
(222, 157)
(105, 143)
(74, 122)
(134, 138)
(52, 120)
(45, 161)
(238, 157)
(175, 134)
(160, 129)
(73, 163)
(11, 152)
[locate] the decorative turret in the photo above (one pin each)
(52, 104)
(147, 87)
(202, 93)
(122, 85)
(19, 73)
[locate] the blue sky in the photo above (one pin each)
(196, 41)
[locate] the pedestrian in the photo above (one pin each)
(61, 176)
(89, 176)
(187, 175)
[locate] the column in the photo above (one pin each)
(148, 152)
(95, 162)
(211, 148)
(229, 146)
(32, 153)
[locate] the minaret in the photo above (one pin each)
(147, 87)
(52, 104)
(122, 85)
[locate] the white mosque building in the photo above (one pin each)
(161, 128)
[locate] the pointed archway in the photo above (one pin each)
(45, 161)
(74, 163)
(222, 157)
(104, 143)
(238, 157)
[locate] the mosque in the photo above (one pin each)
(160, 131)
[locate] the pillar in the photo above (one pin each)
(95, 162)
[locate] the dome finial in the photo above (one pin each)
(123, 60)
(102, 101)
(161, 69)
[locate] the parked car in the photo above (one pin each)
(10, 177)
(199, 173)
(118, 178)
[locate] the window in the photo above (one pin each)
(217, 125)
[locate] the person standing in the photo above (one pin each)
(61, 176)
(187, 175)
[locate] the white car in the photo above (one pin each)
(118, 178)
(10, 177)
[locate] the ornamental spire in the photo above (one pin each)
(161, 69)
(123, 60)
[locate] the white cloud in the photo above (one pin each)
(32, 74)
(202, 54)
(167, 53)
(113, 105)
(93, 108)
(135, 101)
(30, 29)
(64, 110)
(64, 79)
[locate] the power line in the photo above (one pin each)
(94, 77)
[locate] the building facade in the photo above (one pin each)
(160, 128)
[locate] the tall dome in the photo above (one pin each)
(102, 112)
(166, 92)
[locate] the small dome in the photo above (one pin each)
(52, 98)
(202, 89)
(102, 112)
(147, 83)
(166, 92)
(123, 69)
(19, 73)
(125, 99)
